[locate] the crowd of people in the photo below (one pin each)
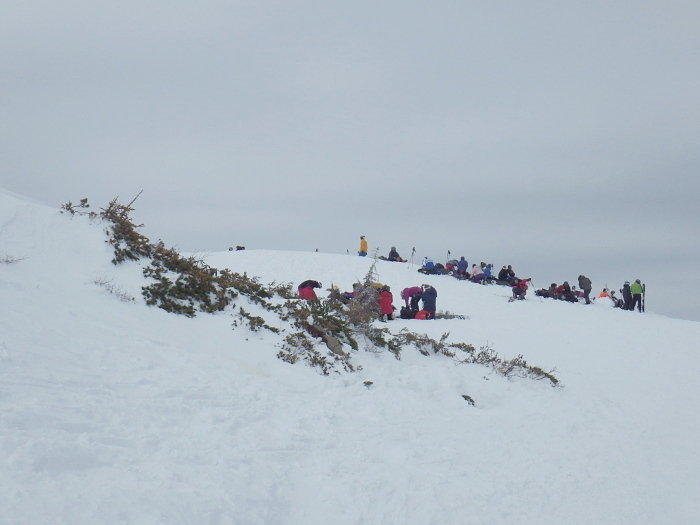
(632, 294)
(412, 296)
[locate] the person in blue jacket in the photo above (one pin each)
(429, 298)
(462, 267)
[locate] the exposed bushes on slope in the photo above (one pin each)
(187, 285)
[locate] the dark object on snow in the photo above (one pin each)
(407, 313)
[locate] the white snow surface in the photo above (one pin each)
(115, 412)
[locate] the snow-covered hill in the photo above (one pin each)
(115, 412)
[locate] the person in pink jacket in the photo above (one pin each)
(412, 294)
(477, 274)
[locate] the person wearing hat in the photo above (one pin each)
(585, 285)
(626, 296)
(429, 298)
(507, 275)
(306, 290)
(636, 289)
(394, 255)
(363, 247)
(386, 306)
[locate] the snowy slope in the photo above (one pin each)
(115, 412)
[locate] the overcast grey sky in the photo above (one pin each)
(562, 137)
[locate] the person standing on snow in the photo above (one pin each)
(585, 284)
(385, 304)
(363, 247)
(412, 294)
(429, 297)
(626, 296)
(636, 289)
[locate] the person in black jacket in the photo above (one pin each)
(626, 296)
(394, 255)
(507, 275)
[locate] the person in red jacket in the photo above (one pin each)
(385, 304)
(520, 289)
(306, 290)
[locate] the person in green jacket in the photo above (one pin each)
(637, 289)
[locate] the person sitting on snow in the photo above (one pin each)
(462, 267)
(488, 269)
(394, 255)
(507, 275)
(477, 274)
(565, 294)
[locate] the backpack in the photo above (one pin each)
(422, 314)
(407, 313)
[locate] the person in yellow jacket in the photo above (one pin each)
(363, 247)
